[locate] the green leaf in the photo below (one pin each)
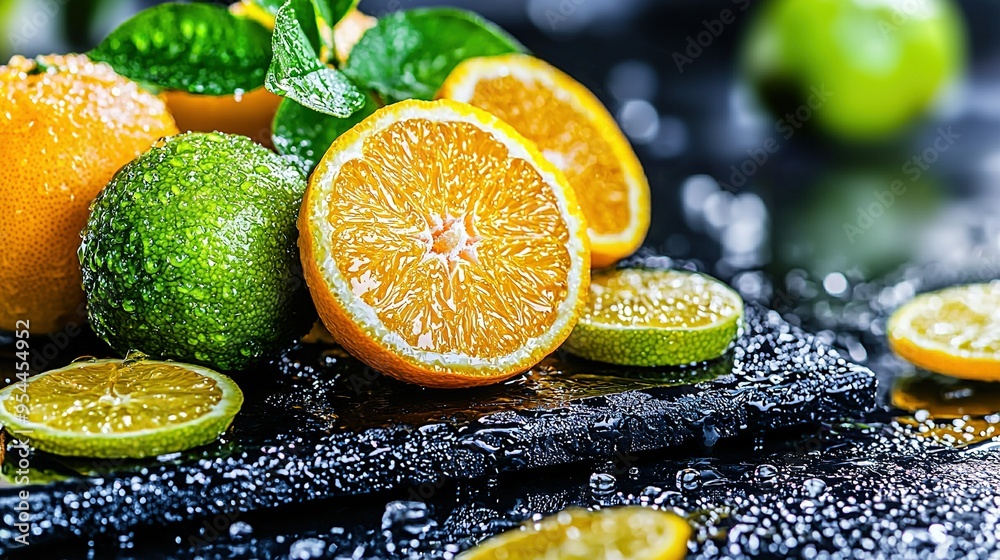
(332, 11)
(297, 72)
(410, 54)
(198, 48)
(328, 12)
(305, 135)
(305, 15)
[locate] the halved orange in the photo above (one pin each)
(574, 131)
(441, 248)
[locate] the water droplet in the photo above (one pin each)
(239, 529)
(688, 479)
(305, 549)
(814, 487)
(133, 357)
(404, 523)
(766, 473)
(710, 434)
(602, 484)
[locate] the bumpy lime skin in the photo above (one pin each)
(651, 347)
(190, 253)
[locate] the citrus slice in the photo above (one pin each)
(954, 331)
(575, 132)
(441, 248)
(645, 317)
(120, 409)
(635, 533)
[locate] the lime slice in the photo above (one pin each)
(954, 331)
(120, 409)
(636, 533)
(644, 317)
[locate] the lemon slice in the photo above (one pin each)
(120, 409)
(576, 133)
(644, 317)
(636, 533)
(954, 331)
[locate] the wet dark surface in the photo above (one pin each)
(916, 480)
(325, 427)
(870, 493)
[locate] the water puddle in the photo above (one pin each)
(955, 413)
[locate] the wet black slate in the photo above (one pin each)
(318, 425)
(833, 492)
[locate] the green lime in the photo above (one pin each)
(120, 409)
(860, 69)
(642, 317)
(190, 253)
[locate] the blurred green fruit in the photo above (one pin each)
(880, 63)
(859, 219)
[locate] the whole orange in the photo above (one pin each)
(66, 126)
(248, 114)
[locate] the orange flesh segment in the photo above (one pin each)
(660, 299)
(569, 140)
(449, 268)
